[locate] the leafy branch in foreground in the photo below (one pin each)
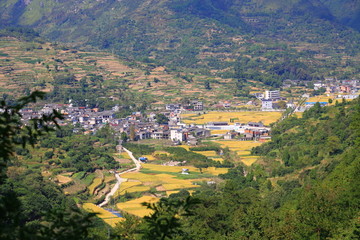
(165, 221)
(12, 130)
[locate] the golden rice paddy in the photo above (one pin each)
(124, 186)
(109, 178)
(239, 145)
(242, 148)
(215, 132)
(124, 155)
(178, 169)
(215, 171)
(138, 189)
(106, 216)
(320, 98)
(149, 157)
(168, 193)
(173, 186)
(96, 182)
(187, 147)
(167, 181)
(207, 153)
(142, 177)
(63, 179)
(244, 117)
(172, 169)
(134, 206)
(248, 161)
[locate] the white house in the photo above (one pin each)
(267, 104)
(177, 135)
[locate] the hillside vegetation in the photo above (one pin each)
(247, 40)
(27, 62)
(305, 187)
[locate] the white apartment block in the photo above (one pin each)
(272, 94)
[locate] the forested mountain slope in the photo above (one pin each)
(307, 186)
(345, 11)
(306, 39)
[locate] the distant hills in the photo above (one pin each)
(301, 39)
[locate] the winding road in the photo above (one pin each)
(120, 179)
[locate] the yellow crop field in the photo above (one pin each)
(109, 178)
(238, 146)
(249, 161)
(173, 169)
(169, 182)
(241, 152)
(142, 177)
(320, 98)
(96, 182)
(63, 179)
(244, 117)
(134, 206)
(106, 216)
(124, 155)
(168, 193)
(173, 186)
(215, 171)
(214, 132)
(137, 189)
(187, 147)
(113, 221)
(207, 153)
(242, 148)
(324, 98)
(124, 186)
(149, 157)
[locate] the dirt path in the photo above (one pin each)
(120, 179)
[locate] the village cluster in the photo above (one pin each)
(332, 88)
(138, 126)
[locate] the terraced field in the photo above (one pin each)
(106, 216)
(242, 148)
(33, 65)
(135, 207)
(96, 182)
(165, 180)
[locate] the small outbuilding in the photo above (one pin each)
(143, 159)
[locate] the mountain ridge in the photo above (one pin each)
(202, 36)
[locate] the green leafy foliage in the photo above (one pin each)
(25, 196)
(317, 199)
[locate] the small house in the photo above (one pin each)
(185, 171)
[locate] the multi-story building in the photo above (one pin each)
(272, 94)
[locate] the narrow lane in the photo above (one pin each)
(120, 179)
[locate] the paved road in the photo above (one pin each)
(120, 179)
